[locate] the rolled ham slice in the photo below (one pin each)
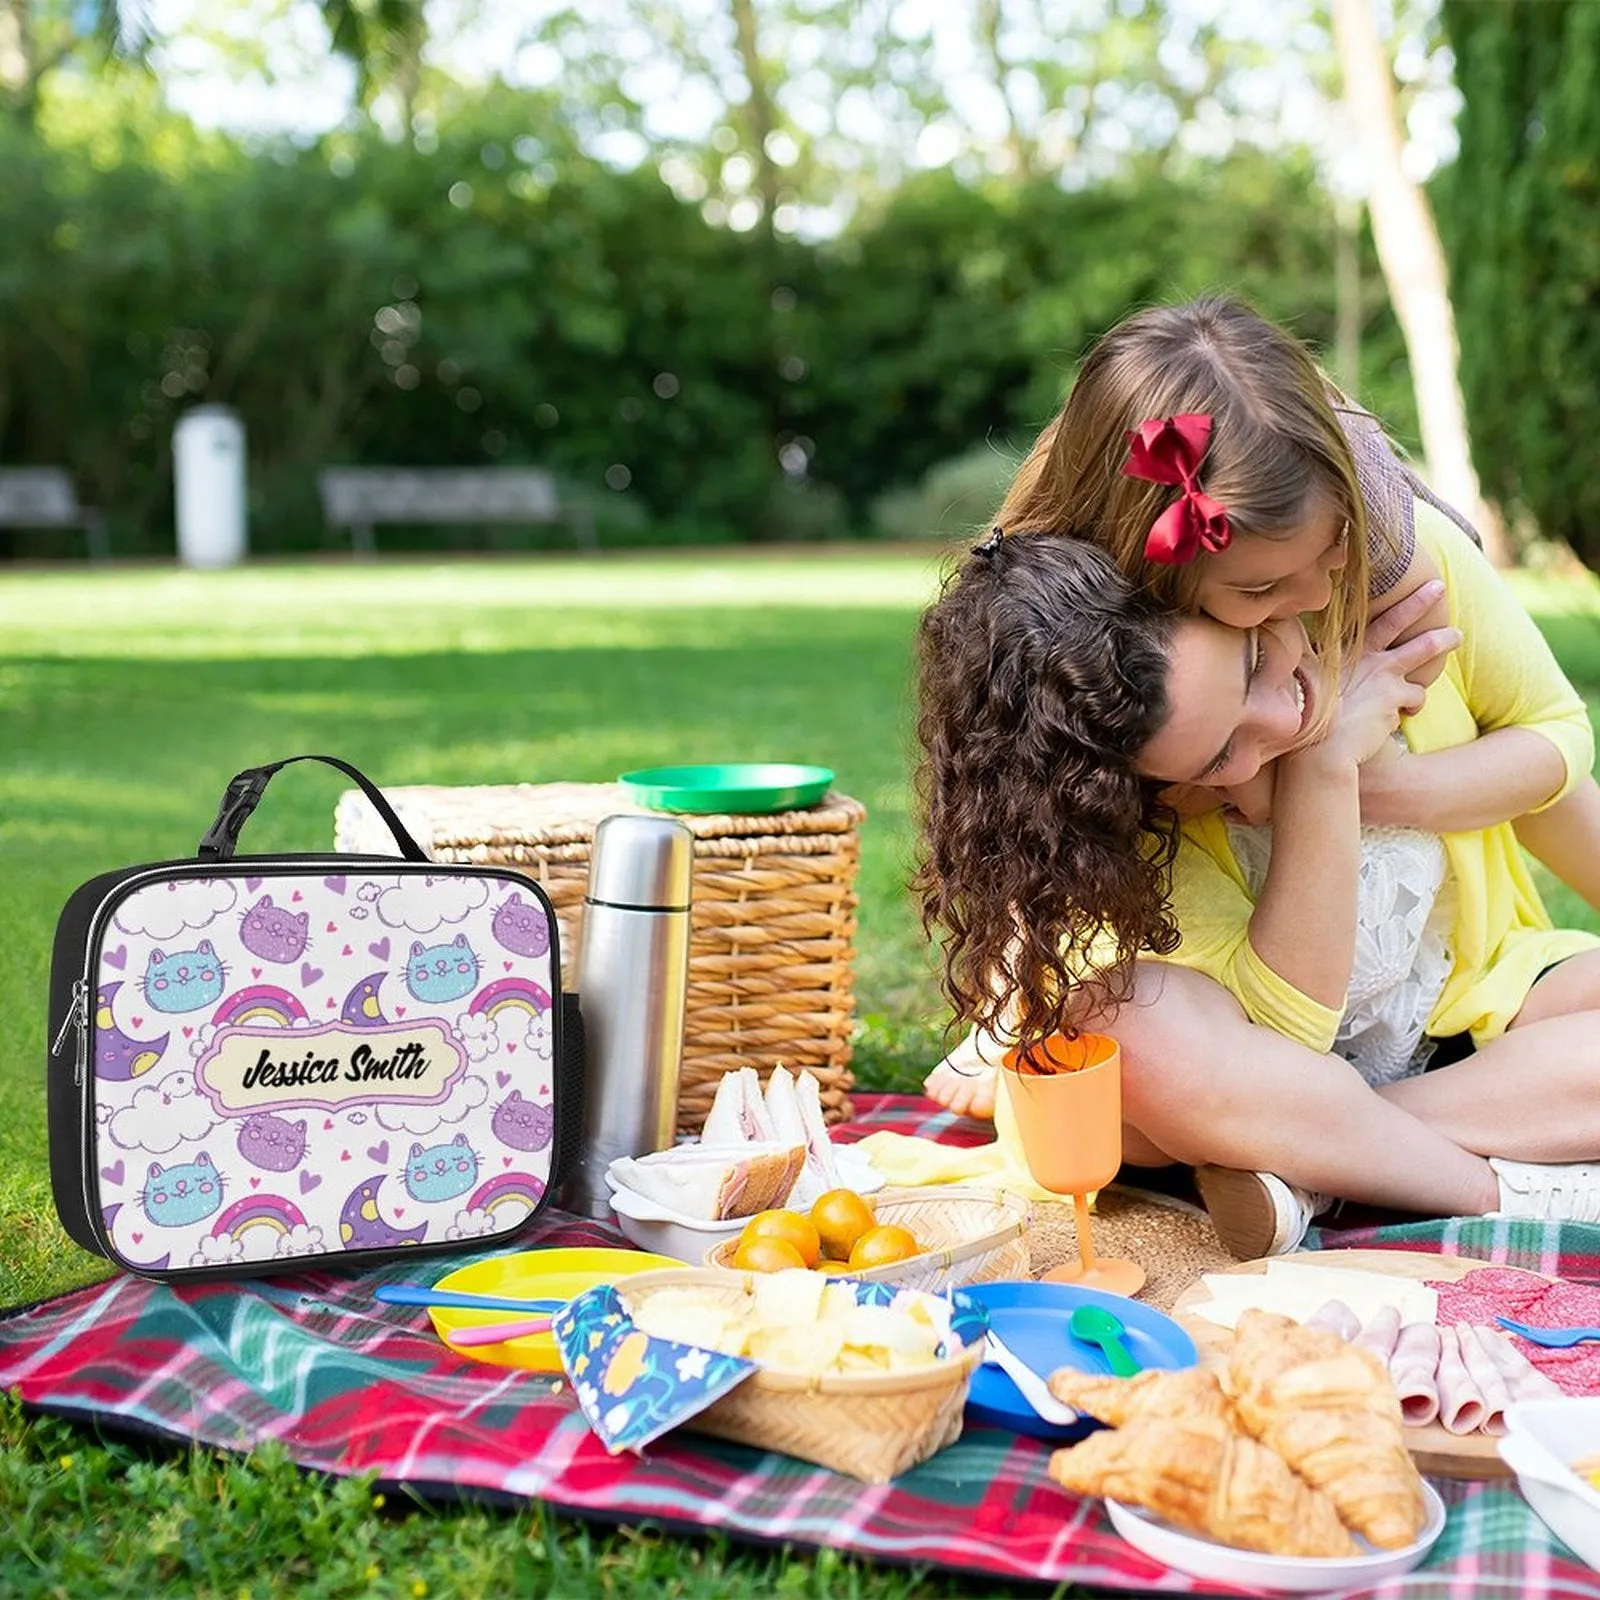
(1523, 1379)
(1414, 1367)
(1461, 1405)
(1381, 1333)
(1335, 1317)
(1485, 1374)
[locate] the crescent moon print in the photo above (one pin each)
(362, 1007)
(118, 1057)
(362, 1228)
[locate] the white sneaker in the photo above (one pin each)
(1563, 1191)
(1256, 1213)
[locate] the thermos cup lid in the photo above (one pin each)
(645, 862)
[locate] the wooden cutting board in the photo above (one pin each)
(1434, 1448)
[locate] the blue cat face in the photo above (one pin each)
(184, 981)
(442, 1171)
(442, 971)
(174, 1197)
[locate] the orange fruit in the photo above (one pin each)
(887, 1242)
(841, 1217)
(790, 1226)
(766, 1255)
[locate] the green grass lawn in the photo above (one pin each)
(127, 699)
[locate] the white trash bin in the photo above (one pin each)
(208, 486)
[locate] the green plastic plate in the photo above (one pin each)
(737, 786)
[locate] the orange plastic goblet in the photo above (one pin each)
(1067, 1099)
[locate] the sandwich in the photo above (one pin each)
(790, 1112)
(715, 1183)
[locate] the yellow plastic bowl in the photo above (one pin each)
(532, 1275)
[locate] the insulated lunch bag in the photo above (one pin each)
(269, 1063)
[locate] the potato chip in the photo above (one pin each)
(798, 1321)
(789, 1298)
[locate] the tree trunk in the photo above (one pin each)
(762, 121)
(1347, 295)
(1414, 269)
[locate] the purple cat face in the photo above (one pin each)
(521, 927)
(273, 934)
(522, 1124)
(272, 1143)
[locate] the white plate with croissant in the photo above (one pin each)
(1285, 1468)
(1221, 1563)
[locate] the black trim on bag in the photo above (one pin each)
(75, 961)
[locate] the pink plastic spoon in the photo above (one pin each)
(499, 1332)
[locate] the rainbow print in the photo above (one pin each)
(262, 1003)
(510, 1187)
(258, 1211)
(522, 993)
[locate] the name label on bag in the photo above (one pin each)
(267, 1069)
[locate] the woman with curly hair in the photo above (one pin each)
(1205, 453)
(1059, 707)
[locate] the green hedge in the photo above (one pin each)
(1520, 216)
(500, 297)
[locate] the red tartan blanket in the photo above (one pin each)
(349, 1386)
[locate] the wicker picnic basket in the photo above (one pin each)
(772, 923)
(969, 1235)
(870, 1426)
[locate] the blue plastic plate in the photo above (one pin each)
(1032, 1319)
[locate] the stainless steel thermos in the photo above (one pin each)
(633, 974)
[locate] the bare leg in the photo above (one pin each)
(964, 1081)
(1566, 837)
(1570, 987)
(1205, 1085)
(1533, 1094)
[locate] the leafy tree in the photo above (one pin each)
(1517, 211)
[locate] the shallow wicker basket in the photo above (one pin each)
(969, 1236)
(772, 924)
(870, 1426)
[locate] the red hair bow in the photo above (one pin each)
(1170, 450)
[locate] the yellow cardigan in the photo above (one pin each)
(1502, 676)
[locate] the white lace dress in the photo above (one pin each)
(1404, 909)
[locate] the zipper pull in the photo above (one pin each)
(77, 1016)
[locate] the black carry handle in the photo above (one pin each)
(244, 795)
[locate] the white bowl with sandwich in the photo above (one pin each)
(759, 1150)
(1553, 1446)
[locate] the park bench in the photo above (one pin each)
(43, 497)
(360, 498)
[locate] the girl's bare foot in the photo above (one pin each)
(963, 1082)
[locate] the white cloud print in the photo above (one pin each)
(464, 1099)
(470, 1225)
(303, 1240)
(420, 905)
(162, 1115)
(479, 1034)
(215, 1251)
(164, 910)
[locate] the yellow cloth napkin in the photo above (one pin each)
(907, 1161)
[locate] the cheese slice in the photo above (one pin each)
(1299, 1288)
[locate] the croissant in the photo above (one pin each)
(1330, 1410)
(1199, 1475)
(1192, 1392)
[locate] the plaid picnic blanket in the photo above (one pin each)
(350, 1386)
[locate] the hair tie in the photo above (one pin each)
(988, 546)
(1170, 450)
